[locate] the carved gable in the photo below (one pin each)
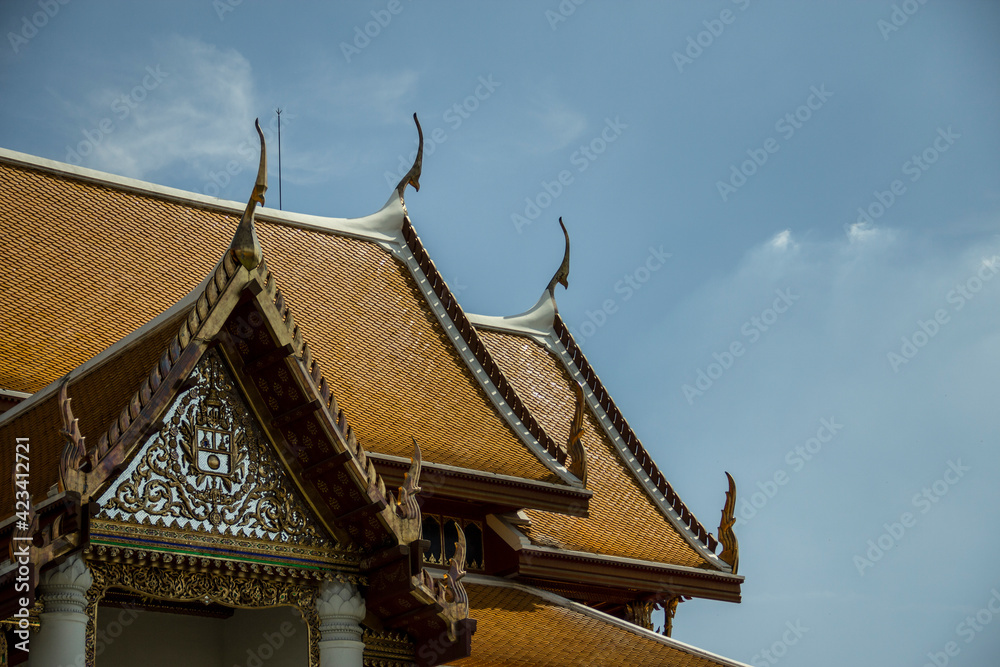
(211, 469)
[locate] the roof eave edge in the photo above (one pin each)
(485, 580)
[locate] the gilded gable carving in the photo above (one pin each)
(210, 468)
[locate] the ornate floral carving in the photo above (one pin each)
(210, 468)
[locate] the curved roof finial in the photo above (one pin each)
(727, 538)
(561, 276)
(245, 246)
(413, 175)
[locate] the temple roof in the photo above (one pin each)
(399, 352)
(96, 278)
(520, 625)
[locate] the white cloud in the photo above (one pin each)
(194, 105)
(781, 240)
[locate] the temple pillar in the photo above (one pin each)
(341, 609)
(62, 636)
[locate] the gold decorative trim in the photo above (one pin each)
(561, 276)
(189, 586)
(574, 447)
(136, 536)
(245, 246)
(449, 591)
(388, 649)
(670, 610)
(640, 613)
(412, 177)
(74, 464)
(727, 538)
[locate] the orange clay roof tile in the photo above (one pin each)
(100, 267)
(618, 498)
(520, 629)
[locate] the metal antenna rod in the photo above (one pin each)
(278, 111)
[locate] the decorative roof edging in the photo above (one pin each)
(542, 324)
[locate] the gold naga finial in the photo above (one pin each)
(561, 276)
(245, 246)
(74, 463)
(574, 446)
(408, 505)
(413, 175)
(727, 538)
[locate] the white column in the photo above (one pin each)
(341, 610)
(62, 638)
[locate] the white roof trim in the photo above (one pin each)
(536, 321)
(584, 610)
(383, 225)
(10, 393)
(404, 254)
(444, 467)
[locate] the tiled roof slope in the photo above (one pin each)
(521, 627)
(95, 273)
(618, 498)
(97, 397)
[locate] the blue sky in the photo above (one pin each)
(741, 138)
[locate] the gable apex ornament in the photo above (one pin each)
(412, 177)
(245, 246)
(727, 538)
(561, 276)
